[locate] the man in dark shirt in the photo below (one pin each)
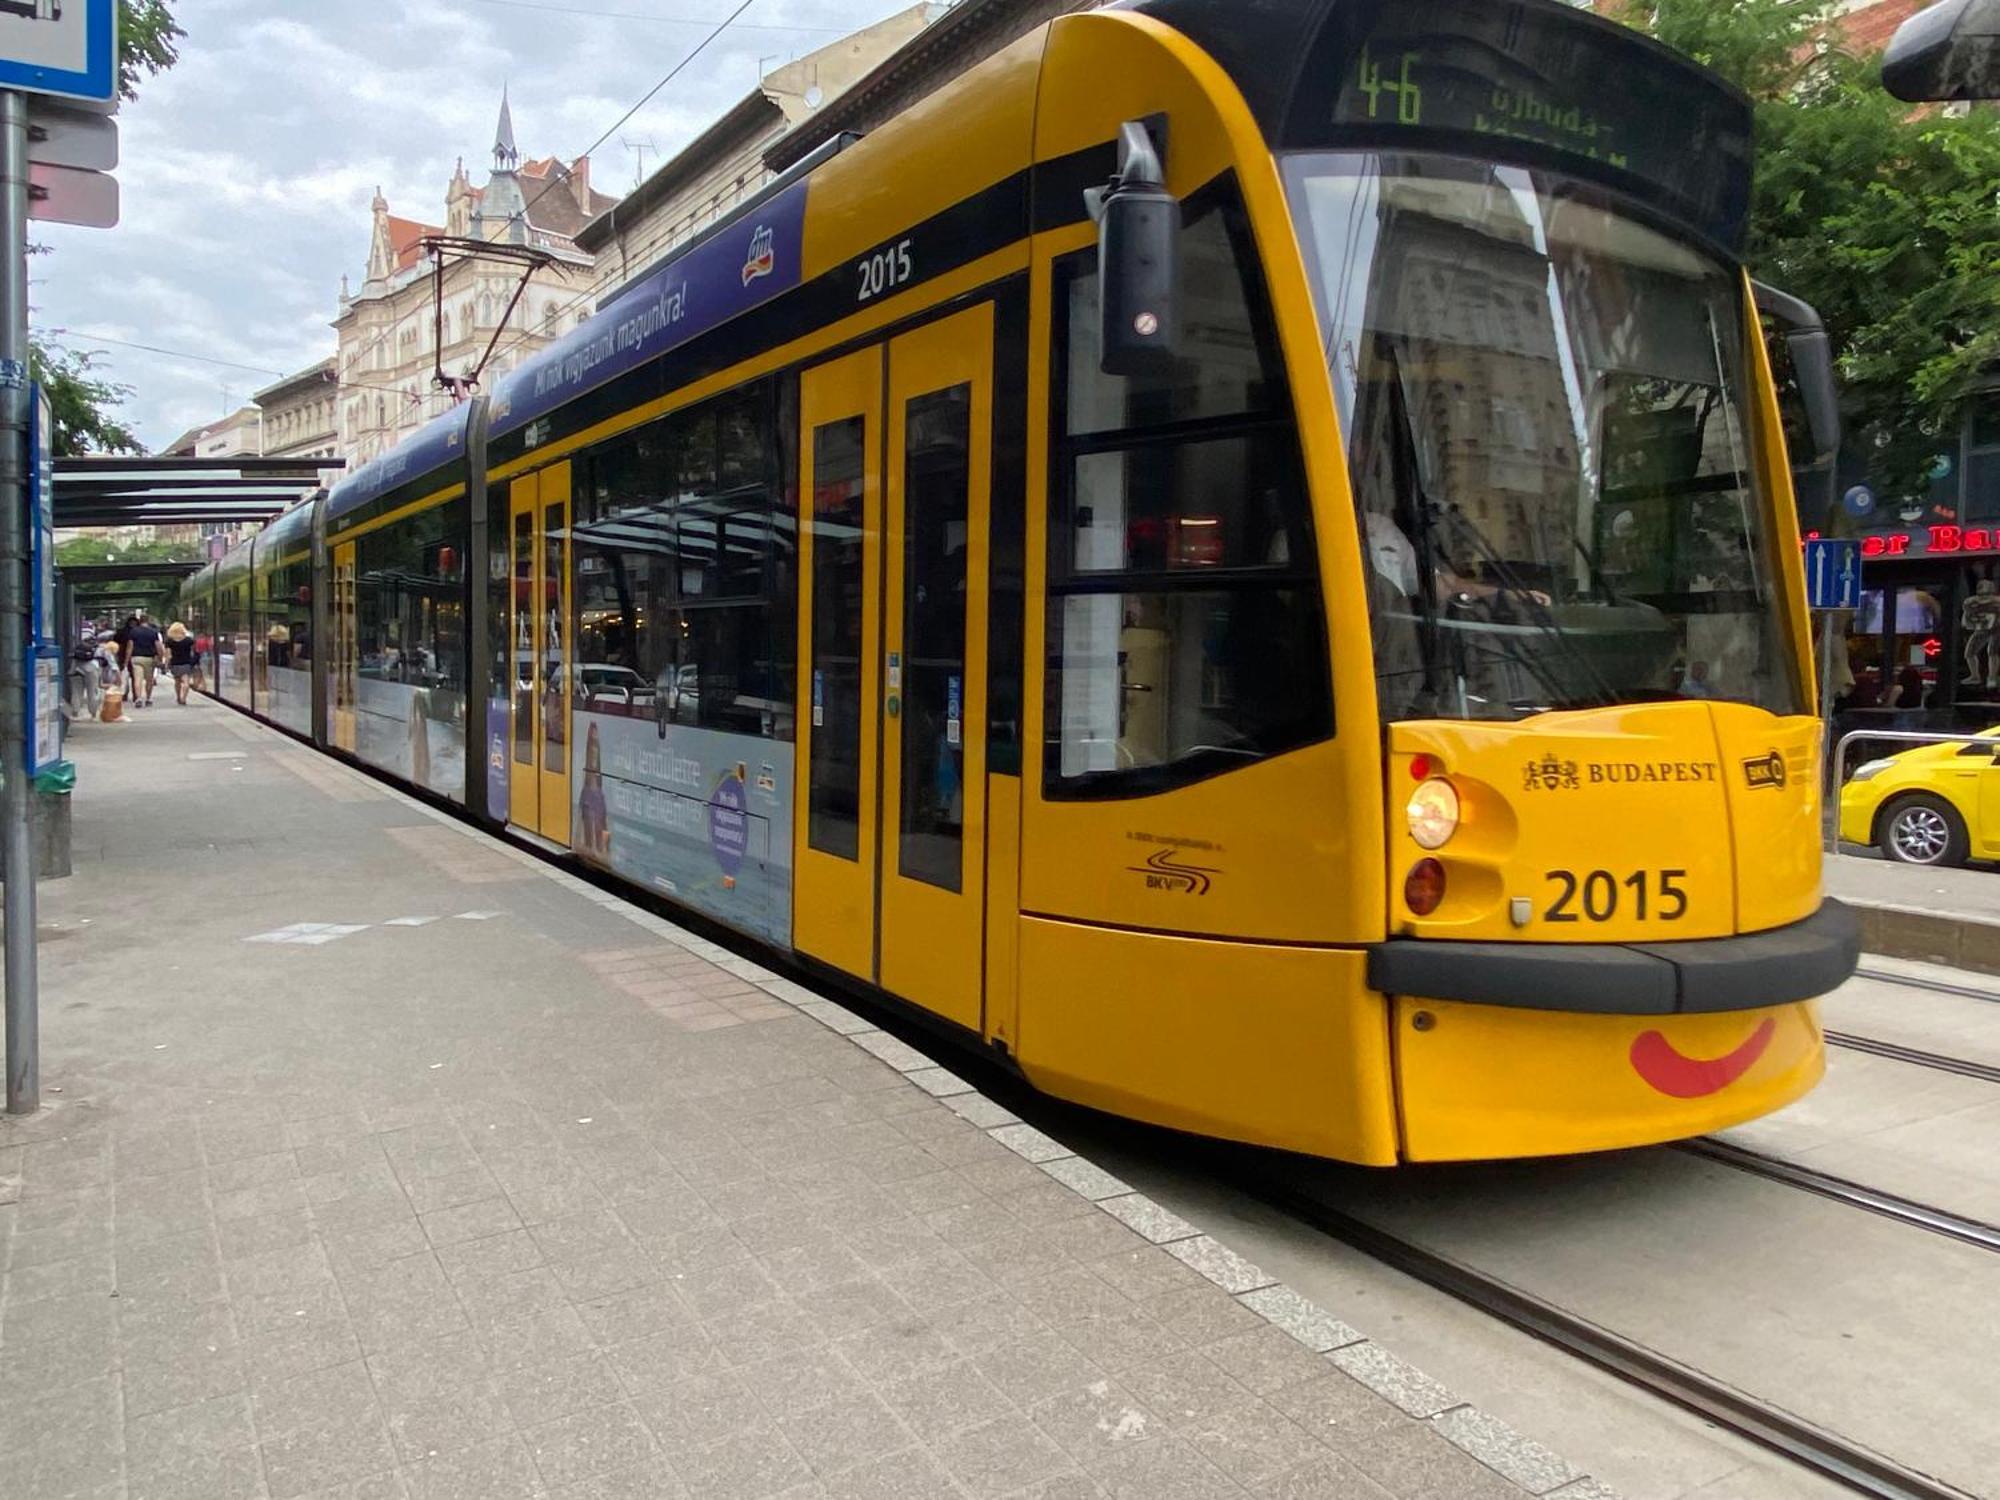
(145, 644)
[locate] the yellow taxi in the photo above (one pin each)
(1934, 805)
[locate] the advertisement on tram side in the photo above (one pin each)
(701, 815)
(498, 722)
(417, 733)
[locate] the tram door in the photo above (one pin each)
(897, 449)
(346, 666)
(539, 676)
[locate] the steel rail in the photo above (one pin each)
(1844, 1190)
(1769, 1426)
(1896, 1051)
(1918, 982)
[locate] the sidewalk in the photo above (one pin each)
(1911, 911)
(382, 1160)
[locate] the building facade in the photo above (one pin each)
(238, 435)
(396, 334)
(302, 414)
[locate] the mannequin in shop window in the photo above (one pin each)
(1980, 620)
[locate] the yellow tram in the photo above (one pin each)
(1239, 557)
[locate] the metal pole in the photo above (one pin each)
(24, 1089)
(1830, 776)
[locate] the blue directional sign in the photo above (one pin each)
(67, 47)
(1833, 573)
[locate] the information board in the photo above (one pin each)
(45, 684)
(42, 627)
(44, 667)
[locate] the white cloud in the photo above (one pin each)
(248, 169)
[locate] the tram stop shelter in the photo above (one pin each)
(117, 490)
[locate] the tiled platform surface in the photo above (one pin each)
(381, 1160)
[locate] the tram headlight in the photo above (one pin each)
(1870, 768)
(1432, 812)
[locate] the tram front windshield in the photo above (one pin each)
(1544, 401)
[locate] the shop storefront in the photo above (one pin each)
(1923, 651)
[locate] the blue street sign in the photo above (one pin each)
(48, 47)
(1833, 573)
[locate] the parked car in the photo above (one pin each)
(1934, 805)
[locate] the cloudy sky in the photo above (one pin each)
(248, 169)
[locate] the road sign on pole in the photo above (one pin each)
(65, 195)
(60, 47)
(1833, 573)
(65, 137)
(17, 900)
(68, 48)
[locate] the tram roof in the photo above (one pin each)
(741, 264)
(436, 445)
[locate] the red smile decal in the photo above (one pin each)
(1672, 1072)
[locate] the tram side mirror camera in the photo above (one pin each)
(1138, 259)
(1812, 364)
(1946, 53)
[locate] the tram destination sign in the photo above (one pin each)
(1540, 83)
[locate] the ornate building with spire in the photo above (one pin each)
(395, 334)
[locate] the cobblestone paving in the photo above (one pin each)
(536, 1207)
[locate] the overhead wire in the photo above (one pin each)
(644, 99)
(207, 359)
(626, 15)
(581, 297)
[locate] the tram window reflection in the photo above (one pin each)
(684, 572)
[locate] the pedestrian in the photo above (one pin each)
(121, 639)
(110, 680)
(143, 646)
(181, 659)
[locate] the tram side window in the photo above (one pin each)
(1185, 628)
(685, 567)
(288, 615)
(409, 599)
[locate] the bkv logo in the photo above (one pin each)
(1164, 873)
(763, 257)
(1551, 775)
(1765, 771)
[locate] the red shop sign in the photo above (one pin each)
(1937, 540)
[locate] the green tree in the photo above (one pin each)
(1884, 218)
(84, 403)
(148, 42)
(81, 403)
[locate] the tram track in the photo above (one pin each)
(1920, 982)
(1897, 1052)
(1859, 1195)
(1762, 1422)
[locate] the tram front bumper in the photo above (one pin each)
(1797, 962)
(1536, 1049)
